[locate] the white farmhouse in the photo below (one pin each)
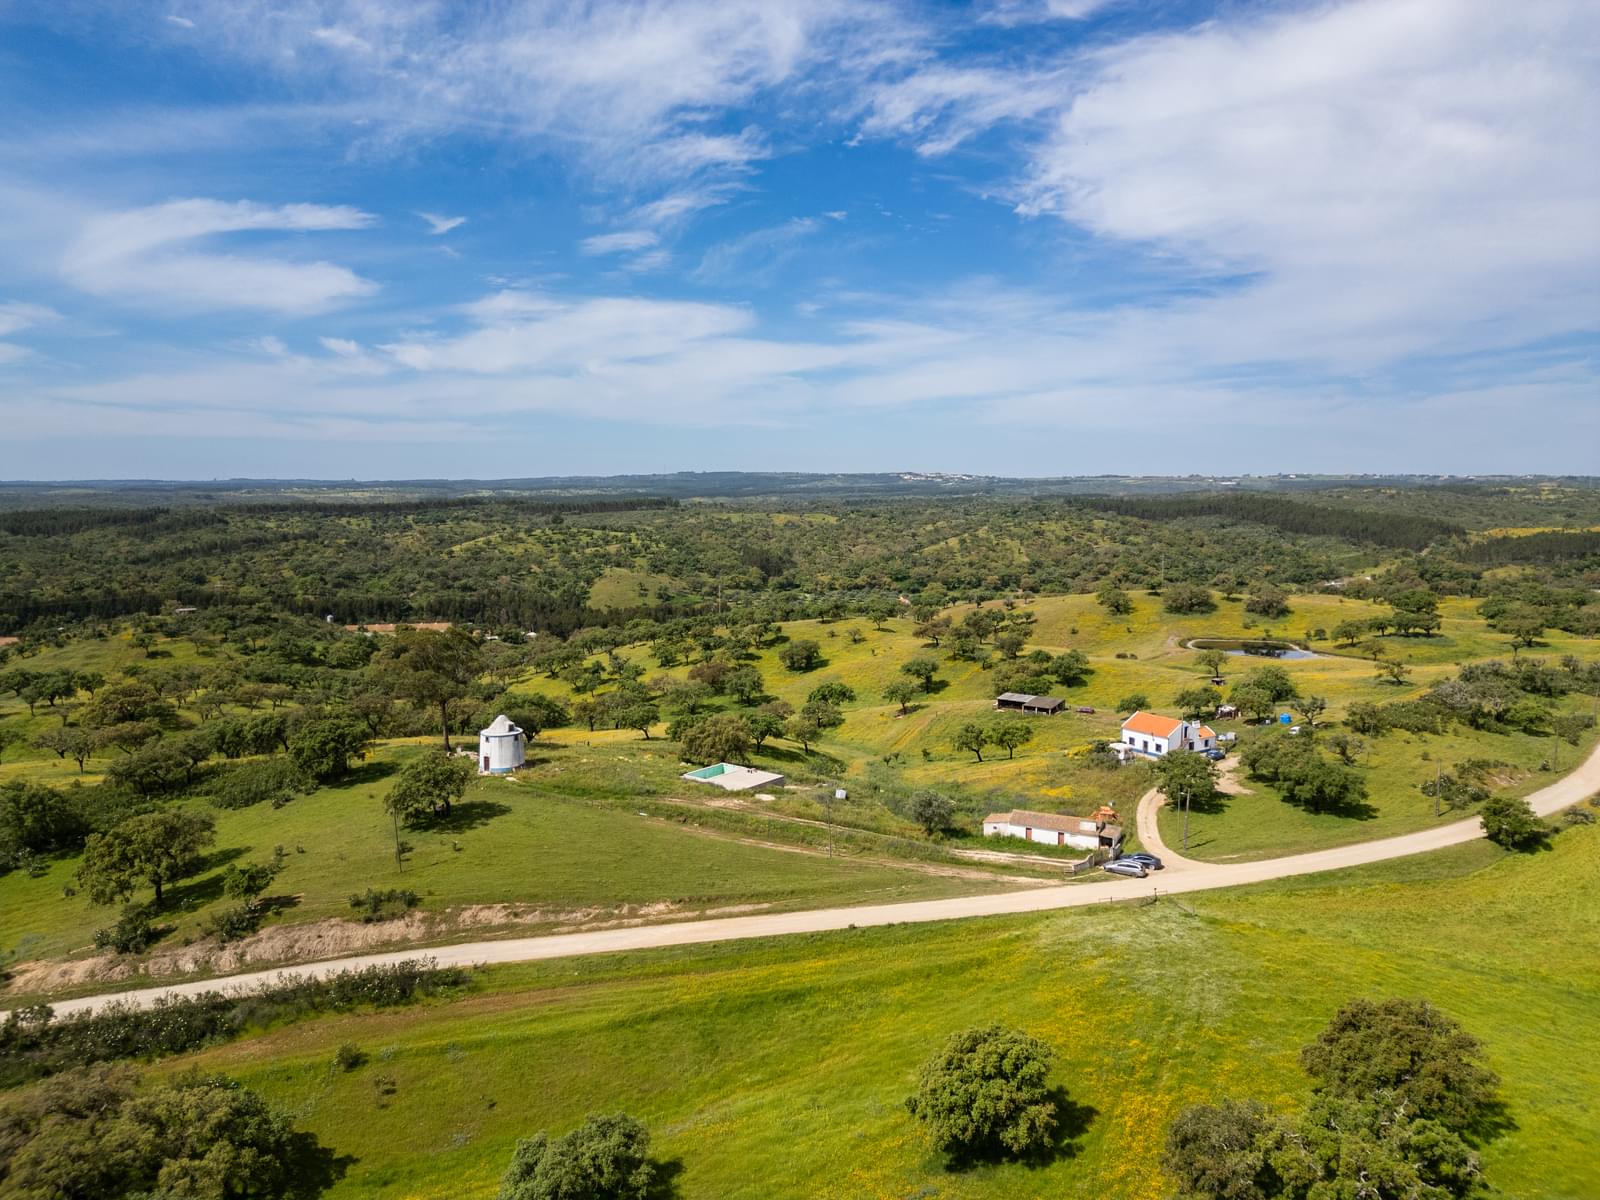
(1151, 735)
(1054, 829)
(501, 747)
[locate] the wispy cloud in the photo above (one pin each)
(440, 225)
(755, 256)
(15, 317)
(151, 254)
(625, 89)
(622, 241)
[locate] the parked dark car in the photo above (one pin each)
(1216, 755)
(1084, 708)
(1148, 861)
(1124, 866)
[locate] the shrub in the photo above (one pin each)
(237, 922)
(243, 785)
(932, 811)
(132, 934)
(986, 1094)
(386, 905)
(1510, 822)
(605, 1158)
(34, 1043)
(250, 880)
(348, 1056)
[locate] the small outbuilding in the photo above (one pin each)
(1024, 703)
(1096, 832)
(501, 747)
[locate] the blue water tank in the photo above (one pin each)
(1284, 718)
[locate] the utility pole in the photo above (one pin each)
(398, 861)
(1185, 794)
(1438, 780)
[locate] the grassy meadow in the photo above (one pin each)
(778, 1069)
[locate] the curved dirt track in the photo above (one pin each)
(1180, 875)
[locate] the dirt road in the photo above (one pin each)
(1181, 875)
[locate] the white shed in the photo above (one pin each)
(500, 747)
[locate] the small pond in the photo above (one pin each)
(1253, 648)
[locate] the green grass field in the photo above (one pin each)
(778, 1069)
(555, 857)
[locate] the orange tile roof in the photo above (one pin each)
(1152, 724)
(1204, 731)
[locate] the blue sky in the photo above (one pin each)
(357, 238)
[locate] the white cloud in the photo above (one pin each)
(439, 225)
(1397, 176)
(150, 254)
(621, 242)
(180, 22)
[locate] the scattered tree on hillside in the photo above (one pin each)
(1186, 598)
(802, 729)
(1196, 703)
(1212, 661)
(428, 785)
(1133, 702)
(721, 737)
(1114, 600)
(901, 692)
(323, 748)
(971, 736)
(987, 1094)
(430, 669)
(1010, 733)
(1399, 1087)
(923, 668)
(154, 848)
(1268, 601)
(832, 691)
(801, 656)
(763, 725)
(1408, 1052)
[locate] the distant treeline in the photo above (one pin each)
(1550, 546)
(63, 522)
(1401, 530)
(558, 611)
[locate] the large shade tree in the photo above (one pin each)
(430, 668)
(154, 848)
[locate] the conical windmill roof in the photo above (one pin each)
(501, 726)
